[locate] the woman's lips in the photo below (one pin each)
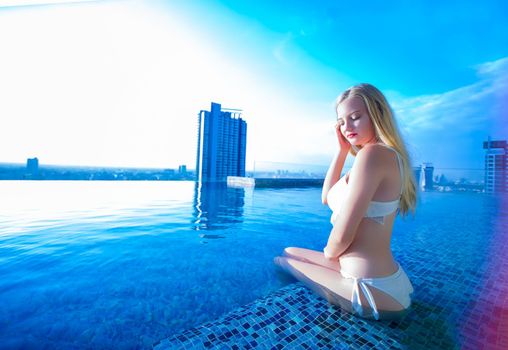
(351, 135)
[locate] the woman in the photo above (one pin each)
(356, 269)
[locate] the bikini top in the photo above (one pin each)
(376, 210)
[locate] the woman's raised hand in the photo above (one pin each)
(344, 145)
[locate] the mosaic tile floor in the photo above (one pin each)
(460, 300)
(295, 318)
(444, 315)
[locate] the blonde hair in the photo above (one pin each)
(386, 130)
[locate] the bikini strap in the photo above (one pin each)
(356, 303)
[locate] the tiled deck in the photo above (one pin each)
(453, 307)
(295, 318)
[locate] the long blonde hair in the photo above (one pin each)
(386, 130)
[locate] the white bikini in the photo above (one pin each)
(376, 210)
(397, 285)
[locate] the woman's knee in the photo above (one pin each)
(299, 252)
(291, 251)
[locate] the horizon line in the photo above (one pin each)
(188, 169)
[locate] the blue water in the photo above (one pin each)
(125, 264)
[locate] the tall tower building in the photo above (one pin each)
(428, 177)
(32, 166)
(496, 166)
(417, 173)
(32, 169)
(222, 141)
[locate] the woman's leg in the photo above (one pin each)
(338, 290)
(311, 256)
(321, 280)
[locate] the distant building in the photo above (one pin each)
(182, 169)
(32, 166)
(428, 177)
(496, 166)
(441, 180)
(418, 173)
(222, 141)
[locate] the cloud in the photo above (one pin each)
(492, 69)
(448, 129)
(282, 49)
(286, 50)
(478, 106)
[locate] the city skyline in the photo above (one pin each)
(275, 170)
(124, 95)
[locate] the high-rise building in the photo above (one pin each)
(32, 166)
(496, 166)
(417, 171)
(428, 177)
(222, 141)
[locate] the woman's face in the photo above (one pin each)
(354, 122)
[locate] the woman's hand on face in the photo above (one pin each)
(344, 145)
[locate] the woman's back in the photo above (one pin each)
(369, 255)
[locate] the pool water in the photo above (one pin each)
(127, 264)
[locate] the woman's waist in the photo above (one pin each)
(367, 266)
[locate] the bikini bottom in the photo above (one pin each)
(398, 286)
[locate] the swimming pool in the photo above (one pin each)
(126, 264)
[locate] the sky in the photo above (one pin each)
(120, 82)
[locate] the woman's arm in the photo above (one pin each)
(367, 173)
(333, 173)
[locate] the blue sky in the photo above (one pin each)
(421, 46)
(120, 82)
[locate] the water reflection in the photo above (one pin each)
(216, 207)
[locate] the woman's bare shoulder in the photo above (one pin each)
(375, 154)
